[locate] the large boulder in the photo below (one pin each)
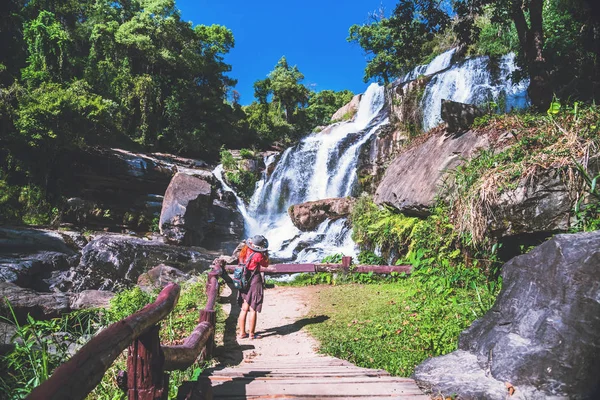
(348, 111)
(90, 299)
(186, 210)
(114, 261)
(25, 302)
(459, 116)
(160, 276)
(542, 203)
(308, 216)
(412, 181)
(542, 335)
(32, 257)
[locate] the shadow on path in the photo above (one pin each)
(294, 327)
(230, 353)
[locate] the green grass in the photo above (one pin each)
(31, 362)
(394, 326)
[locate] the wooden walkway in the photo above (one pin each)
(283, 364)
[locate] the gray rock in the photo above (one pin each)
(30, 257)
(160, 276)
(23, 301)
(226, 227)
(90, 299)
(7, 336)
(543, 333)
(541, 203)
(459, 116)
(186, 210)
(412, 181)
(349, 109)
(308, 216)
(114, 261)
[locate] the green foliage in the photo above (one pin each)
(128, 302)
(395, 44)
(495, 39)
(333, 258)
(229, 163)
(285, 109)
(241, 179)
(41, 346)
(394, 326)
(370, 258)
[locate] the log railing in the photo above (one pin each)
(147, 360)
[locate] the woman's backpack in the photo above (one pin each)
(240, 274)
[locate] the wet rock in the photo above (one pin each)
(186, 210)
(160, 276)
(30, 257)
(115, 261)
(226, 227)
(412, 181)
(543, 333)
(459, 116)
(308, 216)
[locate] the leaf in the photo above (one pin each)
(510, 388)
(554, 108)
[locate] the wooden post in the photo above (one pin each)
(146, 379)
(209, 316)
(346, 261)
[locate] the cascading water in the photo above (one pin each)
(476, 80)
(321, 166)
(473, 82)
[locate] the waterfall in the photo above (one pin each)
(476, 81)
(321, 166)
(324, 165)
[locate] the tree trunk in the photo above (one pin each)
(531, 39)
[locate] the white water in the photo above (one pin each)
(321, 166)
(472, 82)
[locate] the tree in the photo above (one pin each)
(527, 17)
(395, 44)
(288, 91)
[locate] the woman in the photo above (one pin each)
(251, 299)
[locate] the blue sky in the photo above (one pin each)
(310, 33)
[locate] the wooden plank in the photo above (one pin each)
(303, 388)
(277, 269)
(289, 268)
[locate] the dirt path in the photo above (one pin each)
(284, 362)
(280, 325)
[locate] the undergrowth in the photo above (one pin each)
(41, 346)
(565, 140)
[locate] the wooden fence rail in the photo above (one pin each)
(147, 360)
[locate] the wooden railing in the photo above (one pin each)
(147, 360)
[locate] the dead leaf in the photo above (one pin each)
(510, 388)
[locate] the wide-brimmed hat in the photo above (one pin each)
(258, 243)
